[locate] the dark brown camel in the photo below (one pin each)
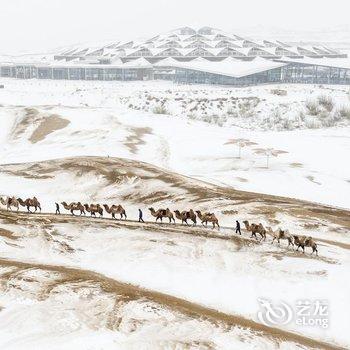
(93, 209)
(115, 209)
(161, 213)
(185, 215)
(208, 217)
(254, 229)
(73, 207)
(30, 202)
(10, 202)
(303, 241)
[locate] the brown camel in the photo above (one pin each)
(161, 213)
(280, 234)
(30, 202)
(303, 241)
(262, 231)
(185, 215)
(254, 229)
(10, 202)
(93, 209)
(115, 209)
(72, 207)
(208, 217)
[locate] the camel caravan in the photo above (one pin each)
(293, 240)
(258, 231)
(10, 202)
(94, 209)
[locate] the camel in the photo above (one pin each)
(161, 213)
(93, 209)
(30, 202)
(208, 217)
(254, 229)
(185, 215)
(280, 234)
(10, 202)
(73, 207)
(262, 231)
(303, 241)
(115, 209)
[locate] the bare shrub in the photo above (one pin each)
(312, 124)
(344, 112)
(326, 102)
(323, 114)
(312, 108)
(328, 122)
(276, 115)
(160, 110)
(287, 124)
(246, 108)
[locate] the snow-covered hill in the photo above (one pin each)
(63, 119)
(70, 281)
(218, 269)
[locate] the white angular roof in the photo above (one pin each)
(325, 62)
(138, 63)
(230, 67)
(194, 35)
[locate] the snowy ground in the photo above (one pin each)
(226, 275)
(66, 137)
(202, 266)
(100, 124)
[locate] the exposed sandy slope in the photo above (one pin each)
(39, 125)
(42, 282)
(141, 184)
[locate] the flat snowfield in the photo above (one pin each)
(72, 282)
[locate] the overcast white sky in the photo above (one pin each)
(38, 25)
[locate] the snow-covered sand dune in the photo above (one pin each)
(195, 266)
(74, 307)
(121, 284)
(224, 275)
(137, 184)
(89, 118)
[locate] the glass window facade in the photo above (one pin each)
(291, 73)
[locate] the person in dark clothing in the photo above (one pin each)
(140, 216)
(57, 209)
(238, 227)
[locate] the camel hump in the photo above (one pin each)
(163, 212)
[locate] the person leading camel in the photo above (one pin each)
(57, 209)
(238, 227)
(140, 216)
